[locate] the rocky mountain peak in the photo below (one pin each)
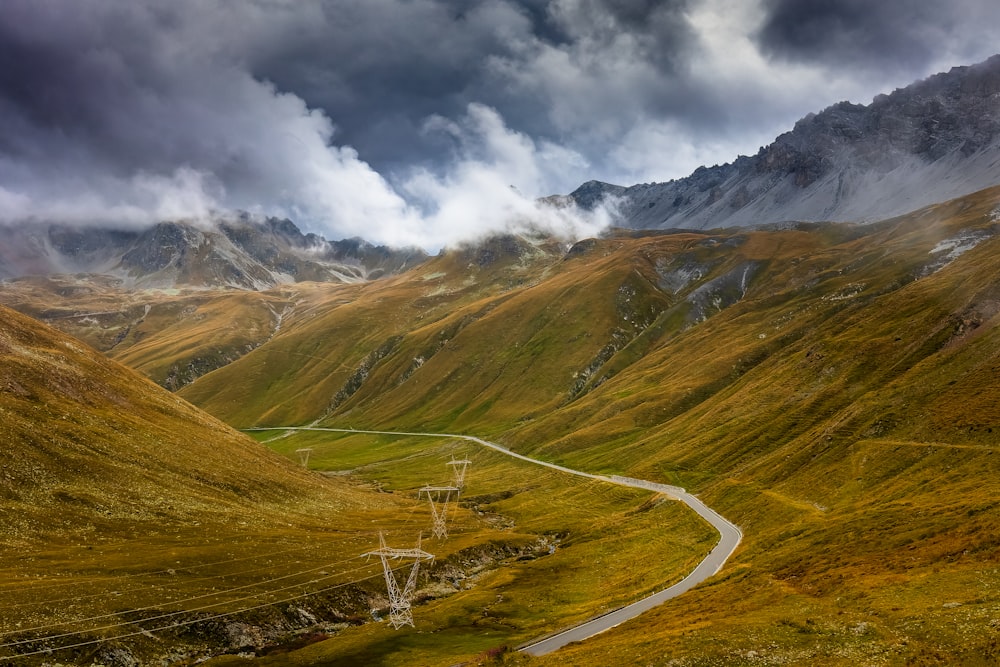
(934, 140)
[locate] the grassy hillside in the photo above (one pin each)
(438, 346)
(341, 349)
(124, 508)
(138, 530)
(171, 336)
(848, 426)
(830, 388)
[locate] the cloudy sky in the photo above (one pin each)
(423, 121)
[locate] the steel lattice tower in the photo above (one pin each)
(400, 613)
(439, 508)
(458, 472)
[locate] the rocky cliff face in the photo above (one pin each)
(239, 252)
(934, 140)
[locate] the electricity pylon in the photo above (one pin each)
(439, 508)
(458, 472)
(304, 456)
(400, 613)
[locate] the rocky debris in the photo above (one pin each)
(719, 293)
(583, 380)
(680, 271)
(581, 248)
(183, 374)
(438, 343)
(363, 370)
(461, 570)
(950, 249)
(508, 249)
(594, 193)
(117, 657)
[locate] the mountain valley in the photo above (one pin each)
(827, 387)
(810, 350)
(138, 530)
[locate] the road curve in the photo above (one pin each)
(729, 538)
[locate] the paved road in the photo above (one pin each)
(729, 539)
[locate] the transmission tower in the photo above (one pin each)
(458, 472)
(400, 613)
(304, 456)
(439, 496)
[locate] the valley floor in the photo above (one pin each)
(729, 539)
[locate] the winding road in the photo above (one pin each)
(730, 536)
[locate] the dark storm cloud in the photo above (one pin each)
(378, 77)
(658, 30)
(59, 85)
(380, 68)
(130, 112)
(903, 35)
(130, 106)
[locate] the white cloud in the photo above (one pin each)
(493, 183)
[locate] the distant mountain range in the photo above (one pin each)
(929, 142)
(932, 141)
(239, 252)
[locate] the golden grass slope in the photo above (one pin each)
(171, 336)
(832, 389)
(135, 529)
(438, 345)
(119, 501)
(80, 430)
(848, 425)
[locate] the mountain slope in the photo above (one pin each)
(929, 142)
(177, 336)
(850, 431)
(121, 502)
(339, 340)
(91, 447)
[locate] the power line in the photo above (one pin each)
(400, 612)
(168, 571)
(439, 497)
(147, 608)
(125, 576)
(182, 623)
(176, 613)
(139, 585)
(185, 611)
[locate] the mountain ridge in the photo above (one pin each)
(239, 252)
(931, 141)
